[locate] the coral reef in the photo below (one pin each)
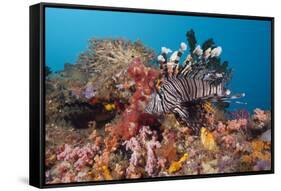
(97, 127)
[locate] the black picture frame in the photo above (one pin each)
(37, 93)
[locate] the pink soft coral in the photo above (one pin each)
(221, 128)
(143, 145)
(134, 145)
(236, 124)
(260, 115)
(229, 141)
(78, 156)
(151, 161)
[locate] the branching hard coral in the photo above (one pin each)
(112, 56)
(104, 51)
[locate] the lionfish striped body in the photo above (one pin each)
(176, 91)
(186, 86)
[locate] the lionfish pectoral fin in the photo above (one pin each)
(230, 97)
(188, 114)
(226, 98)
(240, 102)
(181, 112)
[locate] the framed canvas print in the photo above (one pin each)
(127, 95)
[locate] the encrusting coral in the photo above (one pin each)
(97, 127)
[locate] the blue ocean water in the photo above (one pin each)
(246, 43)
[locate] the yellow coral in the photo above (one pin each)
(106, 173)
(176, 165)
(207, 140)
(247, 159)
(109, 107)
(258, 152)
(261, 156)
(259, 145)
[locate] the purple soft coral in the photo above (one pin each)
(239, 114)
(89, 91)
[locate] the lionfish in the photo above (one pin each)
(188, 84)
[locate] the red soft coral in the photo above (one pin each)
(136, 70)
(144, 77)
